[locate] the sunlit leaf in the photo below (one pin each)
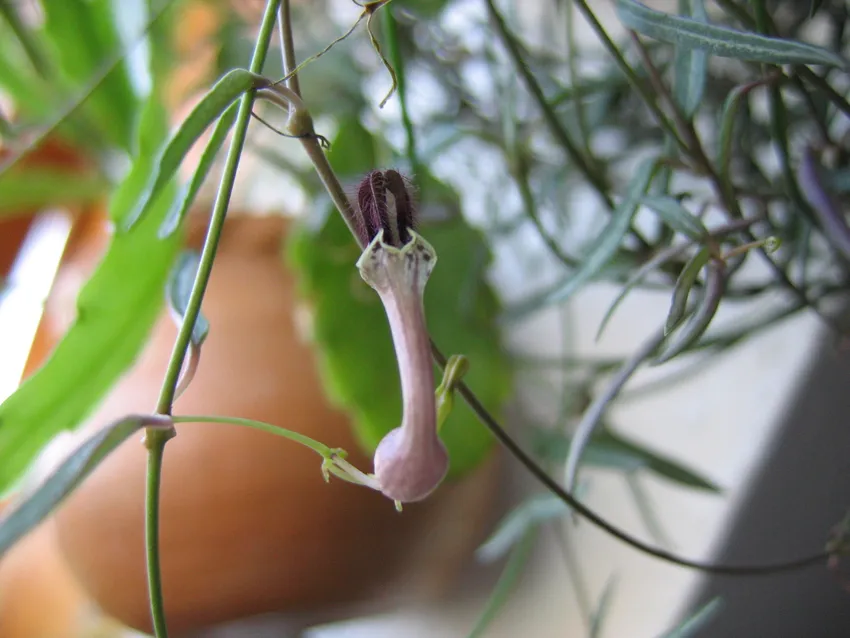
(116, 309)
(349, 327)
(31, 510)
(32, 188)
(691, 64)
(179, 289)
(721, 41)
(525, 516)
(83, 36)
(18, 78)
(208, 110)
(608, 241)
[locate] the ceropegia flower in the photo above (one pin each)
(410, 461)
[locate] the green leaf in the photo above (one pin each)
(179, 289)
(690, 64)
(349, 326)
(38, 505)
(605, 245)
(609, 450)
(691, 626)
(660, 465)
(602, 608)
(715, 284)
(634, 279)
(83, 35)
(531, 512)
(18, 79)
(506, 583)
(352, 153)
(22, 190)
(721, 41)
(178, 212)
(207, 111)
(115, 312)
(728, 115)
(682, 289)
(676, 216)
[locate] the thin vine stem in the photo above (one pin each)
(287, 46)
(538, 473)
(210, 247)
(340, 199)
(319, 448)
(156, 439)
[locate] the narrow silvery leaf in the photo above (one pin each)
(676, 216)
(715, 282)
(36, 506)
(690, 64)
(722, 41)
(605, 245)
(682, 289)
(179, 289)
(692, 626)
(532, 511)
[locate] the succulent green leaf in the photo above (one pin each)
(720, 40)
(116, 309)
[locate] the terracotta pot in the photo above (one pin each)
(248, 526)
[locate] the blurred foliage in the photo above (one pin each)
(668, 159)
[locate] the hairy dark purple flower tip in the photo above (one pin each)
(385, 203)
